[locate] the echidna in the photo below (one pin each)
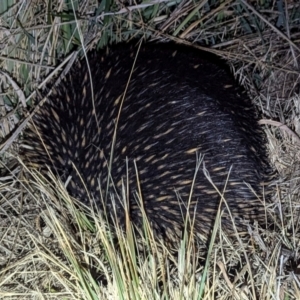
(139, 129)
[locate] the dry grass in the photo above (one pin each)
(50, 249)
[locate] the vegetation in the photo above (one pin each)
(51, 248)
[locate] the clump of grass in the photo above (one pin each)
(72, 251)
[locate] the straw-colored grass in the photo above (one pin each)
(52, 247)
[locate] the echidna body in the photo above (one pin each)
(136, 132)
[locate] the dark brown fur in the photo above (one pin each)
(176, 107)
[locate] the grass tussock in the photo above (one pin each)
(51, 248)
(62, 249)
